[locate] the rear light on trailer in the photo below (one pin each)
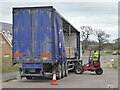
(18, 54)
(46, 55)
(45, 58)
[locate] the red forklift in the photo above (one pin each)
(93, 66)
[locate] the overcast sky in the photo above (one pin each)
(98, 15)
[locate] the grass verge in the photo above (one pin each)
(7, 65)
(112, 64)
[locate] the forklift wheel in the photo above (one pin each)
(99, 71)
(78, 70)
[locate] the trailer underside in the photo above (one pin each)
(43, 47)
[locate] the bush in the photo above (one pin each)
(108, 52)
(7, 65)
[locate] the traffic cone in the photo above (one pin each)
(54, 79)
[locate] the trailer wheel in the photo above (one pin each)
(78, 70)
(63, 70)
(59, 72)
(99, 71)
(66, 69)
(19, 75)
(29, 77)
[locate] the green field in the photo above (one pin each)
(113, 64)
(109, 52)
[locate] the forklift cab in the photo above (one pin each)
(90, 66)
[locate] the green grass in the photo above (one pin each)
(86, 53)
(109, 52)
(7, 65)
(114, 64)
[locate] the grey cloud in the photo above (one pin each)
(74, 7)
(97, 13)
(88, 9)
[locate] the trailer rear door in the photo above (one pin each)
(32, 35)
(21, 34)
(42, 34)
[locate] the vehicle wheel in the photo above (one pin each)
(29, 77)
(78, 70)
(63, 70)
(99, 71)
(59, 72)
(66, 69)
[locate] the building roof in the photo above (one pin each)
(6, 31)
(5, 26)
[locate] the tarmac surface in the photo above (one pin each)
(109, 79)
(9, 76)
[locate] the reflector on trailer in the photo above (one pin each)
(18, 54)
(45, 58)
(46, 55)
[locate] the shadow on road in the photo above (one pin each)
(48, 79)
(84, 73)
(36, 80)
(89, 73)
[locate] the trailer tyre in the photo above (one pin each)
(59, 72)
(29, 77)
(78, 70)
(19, 75)
(99, 71)
(63, 70)
(66, 69)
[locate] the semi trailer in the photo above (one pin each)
(43, 42)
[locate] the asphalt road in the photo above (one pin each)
(86, 80)
(9, 76)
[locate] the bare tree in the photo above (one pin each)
(86, 31)
(117, 43)
(102, 37)
(117, 40)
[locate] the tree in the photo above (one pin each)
(86, 31)
(102, 37)
(117, 42)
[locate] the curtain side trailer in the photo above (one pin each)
(43, 42)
